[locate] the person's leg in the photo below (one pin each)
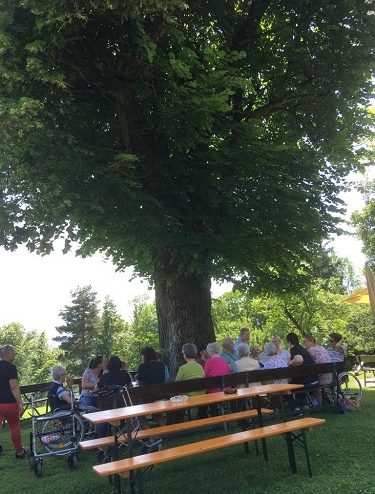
(89, 401)
(160, 419)
(11, 412)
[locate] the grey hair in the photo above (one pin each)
(243, 350)
(57, 371)
(5, 349)
(226, 342)
(214, 348)
(270, 349)
(189, 350)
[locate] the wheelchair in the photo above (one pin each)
(57, 433)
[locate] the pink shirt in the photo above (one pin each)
(216, 366)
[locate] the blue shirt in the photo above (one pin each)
(230, 358)
(335, 355)
(239, 341)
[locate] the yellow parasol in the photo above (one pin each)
(366, 295)
(370, 278)
(360, 297)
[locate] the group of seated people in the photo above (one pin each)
(215, 360)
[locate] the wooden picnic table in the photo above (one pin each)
(115, 416)
(118, 415)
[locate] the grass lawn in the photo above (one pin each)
(336, 449)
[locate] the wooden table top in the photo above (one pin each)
(117, 414)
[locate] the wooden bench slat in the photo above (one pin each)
(170, 429)
(143, 461)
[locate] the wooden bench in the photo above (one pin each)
(166, 390)
(105, 442)
(287, 429)
(367, 365)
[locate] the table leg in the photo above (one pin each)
(260, 421)
(291, 456)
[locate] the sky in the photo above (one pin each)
(33, 289)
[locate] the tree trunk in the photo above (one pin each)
(183, 305)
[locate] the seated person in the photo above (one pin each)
(229, 354)
(203, 357)
(160, 358)
(216, 365)
(274, 361)
(150, 371)
(300, 357)
(337, 349)
(258, 355)
(116, 375)
(246, 361)
(60, 397)
(190, 370)
(281, 351)
(90, 379)
(320, 356)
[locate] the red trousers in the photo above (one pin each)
(11, 412)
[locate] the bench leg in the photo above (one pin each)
(291, 455)
(260, 423)
(304, 442)
(256, 448)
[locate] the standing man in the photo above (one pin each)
(229, 354)
(243, 338)
(10, 397)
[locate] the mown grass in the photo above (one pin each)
(341, 456)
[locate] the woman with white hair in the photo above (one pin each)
(246, 362)
(274, 361)
(281, 352)
(216, 365)
(58, 396)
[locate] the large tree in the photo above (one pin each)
(190, 139)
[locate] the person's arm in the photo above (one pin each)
(16, 392)
(63, 394)
(179, 374)
(296, 360)
(207, 369)
(341, 347)
(141, 374)
(86, 382)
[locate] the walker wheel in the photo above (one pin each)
(39, 468)
(72, 461)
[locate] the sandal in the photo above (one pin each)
(21, 454)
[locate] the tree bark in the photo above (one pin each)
(183, 306)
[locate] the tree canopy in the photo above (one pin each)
(188, 139)
(139, 128)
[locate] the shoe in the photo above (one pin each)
(306, 408)
(297, 411)
(21, 454)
